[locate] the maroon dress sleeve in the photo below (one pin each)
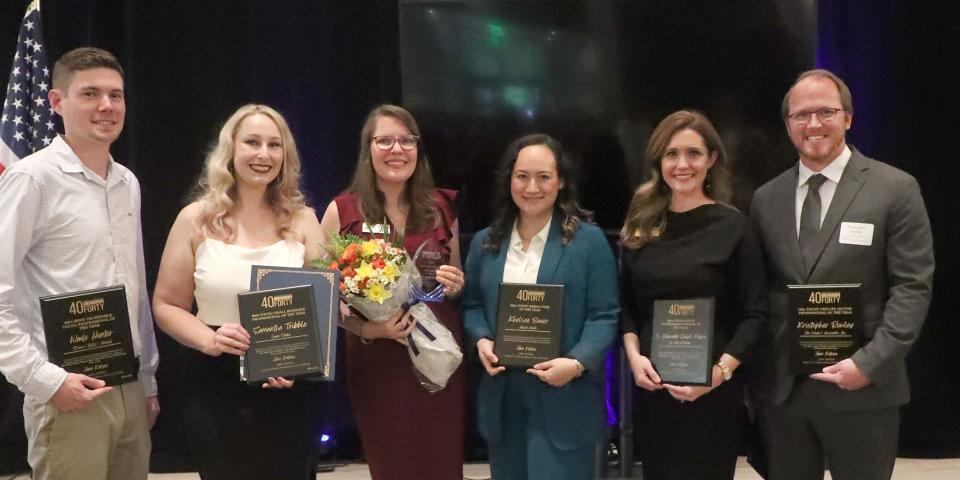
(351, 218)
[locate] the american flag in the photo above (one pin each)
(27, 120)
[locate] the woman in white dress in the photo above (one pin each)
(249, 210)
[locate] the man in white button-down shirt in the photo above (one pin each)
(71, 222)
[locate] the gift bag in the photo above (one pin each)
(433, 350)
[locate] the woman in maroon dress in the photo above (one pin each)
(407, 432)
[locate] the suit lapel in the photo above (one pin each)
(496, 270)
(787, 221)
(492, 297)
(552, 253)
(850, 184)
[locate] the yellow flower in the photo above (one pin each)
(369, 248)
(365, 270)
(376, 292)
(391, 271)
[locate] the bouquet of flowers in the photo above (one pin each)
(377, 278)
(369, 270)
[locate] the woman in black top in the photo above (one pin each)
(682, 242)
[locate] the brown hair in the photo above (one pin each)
(846, 99)
(83, 58)
(418, 191)
(647, 213)
(566, 205)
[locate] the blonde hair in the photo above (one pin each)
(217, 190)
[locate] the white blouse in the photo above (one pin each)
(520, 266)
(223, 270)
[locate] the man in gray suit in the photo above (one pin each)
(838, 217)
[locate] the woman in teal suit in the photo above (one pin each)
(542, 422)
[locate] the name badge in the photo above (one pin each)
(852, 233)
(379, 228)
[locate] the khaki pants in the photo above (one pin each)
(107, 440)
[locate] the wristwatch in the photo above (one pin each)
(725, 371)
(580, 367)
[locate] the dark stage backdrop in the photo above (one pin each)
(903, 66)
(189, 65)
(596, 74)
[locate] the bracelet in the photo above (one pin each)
(724, 371)
(580, 367)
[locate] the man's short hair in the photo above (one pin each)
(846, 100)
(83, 58)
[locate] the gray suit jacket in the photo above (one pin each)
(896, 273)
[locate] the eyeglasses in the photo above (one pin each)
(407, 142)
(824, 115)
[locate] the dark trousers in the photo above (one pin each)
(691, 440)
(803, 436)
(237, 432)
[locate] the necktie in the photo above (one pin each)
(810, 220)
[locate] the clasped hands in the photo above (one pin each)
(845, 374)
(233, 339)
(646, 377)
(556, 372)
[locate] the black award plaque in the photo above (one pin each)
(283, 338)
(823, 325)
(88, 332)
(326, 292)
(529, 324)
(682, 343)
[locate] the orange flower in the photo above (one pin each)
(334, 265)
(378, 263)
(343, 287)
(349, 253)
(349, 271)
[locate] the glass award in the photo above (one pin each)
(428, 258)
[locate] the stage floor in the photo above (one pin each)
(906, 469)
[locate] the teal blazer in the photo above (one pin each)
(574, 413)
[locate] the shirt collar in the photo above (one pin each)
(833, 171)
(540, 237)
(69, 162)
